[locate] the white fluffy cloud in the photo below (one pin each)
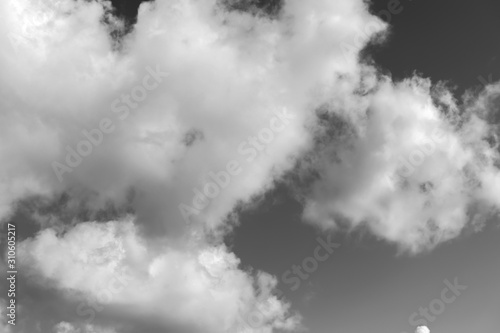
(409, 164)
(422, 329)
(65, 75)
(229, 74)
(107, 268)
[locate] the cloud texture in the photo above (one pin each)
(191, 89)
(422, 329)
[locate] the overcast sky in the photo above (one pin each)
(228, 166)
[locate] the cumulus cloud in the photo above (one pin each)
(223, 68)
(422, 329)
(108, 271)
(110, 133)
(68, 75)
(410, 164)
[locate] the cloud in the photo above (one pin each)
(67, 75)
(69, 68)
(223, 66)
(409, 162)
(109, 272)
(65, 327)
(422, 329)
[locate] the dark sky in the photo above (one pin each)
(448, 40)
(127, 8)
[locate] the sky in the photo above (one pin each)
(251, 167)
